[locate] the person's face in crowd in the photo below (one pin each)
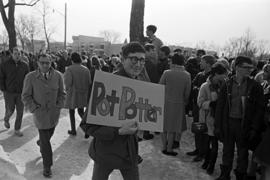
(134, 63)
(16, 55)
(179, 53)
(151, 54)
(149, 33)
(199, 55)
(244, 69)
(162, 55)
(203, 64)
(219, 78)
(44, 64)
(266, 73)
(65, 54)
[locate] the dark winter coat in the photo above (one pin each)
(110, 149)
(12, 76)
(253, 112)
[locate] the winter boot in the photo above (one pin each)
(73, 124)
(239, 175)
(225, 173)
(212, 162)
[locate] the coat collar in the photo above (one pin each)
(40, 74)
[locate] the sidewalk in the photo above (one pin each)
(20, 157)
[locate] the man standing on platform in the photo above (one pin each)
(150, 32)
(43, 94)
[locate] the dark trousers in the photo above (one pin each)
(202, 144)
(198, 137)
(211, 150)
(102, 173)
(233, 137)
(72, 117)
(12, 101)
(45, 146)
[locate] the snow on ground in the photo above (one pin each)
(20, 158)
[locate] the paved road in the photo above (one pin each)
(20, 157)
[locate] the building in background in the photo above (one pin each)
(97, 45)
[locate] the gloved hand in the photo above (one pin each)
(218, 134)
(130, 127)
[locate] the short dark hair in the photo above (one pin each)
(218, 68)
(200, 52)
(239, 60)
(209, 59)
(44, 55)
(166, 50)
(149, 46)
(132, 47)
(178, 59)
(177, 50)
(152, 28)
(76, 58)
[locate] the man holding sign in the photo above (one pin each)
(117, 147)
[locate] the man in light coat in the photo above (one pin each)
(43, 95)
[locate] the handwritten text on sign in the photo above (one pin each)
(116, 99)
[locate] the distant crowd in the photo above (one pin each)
(228, 98)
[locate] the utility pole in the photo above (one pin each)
(65, 39)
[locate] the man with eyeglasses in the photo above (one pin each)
(43, 95)
(117, 148)
(239, 118)
(12, 73)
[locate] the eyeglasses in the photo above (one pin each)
(44, 62)
(135, 60)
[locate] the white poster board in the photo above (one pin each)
(116, 99)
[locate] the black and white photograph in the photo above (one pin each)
(135, 89)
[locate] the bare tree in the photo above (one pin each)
(45, 11)
(21, 29)
(136, 21)
(244, 45)
(110, 36)
(9, 20)
(263, 50)
(26, 28)
(4, 39)
(33, 30)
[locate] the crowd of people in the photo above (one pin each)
(228, 99)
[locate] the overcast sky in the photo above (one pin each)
(178, 21)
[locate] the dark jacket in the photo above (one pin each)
(12, 76)
(151, 70)
(193, 67)
(252, 121)
(162, 65)
(199, 79)
(111, 149)
(62, 64)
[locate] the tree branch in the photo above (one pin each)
(3, 13)
(23, 4)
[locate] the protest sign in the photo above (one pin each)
(116, 99)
